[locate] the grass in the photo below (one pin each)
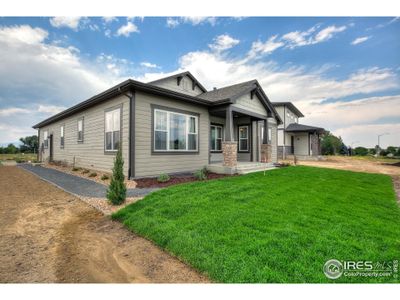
(19, 157)
(281, 227)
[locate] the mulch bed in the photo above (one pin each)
(152, 182)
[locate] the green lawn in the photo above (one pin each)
(281, 227)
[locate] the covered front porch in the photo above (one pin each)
(239, 141)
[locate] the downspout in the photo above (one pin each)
(131, 148)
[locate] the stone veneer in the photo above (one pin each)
(266, 151)
(314, 144)
(229, 152)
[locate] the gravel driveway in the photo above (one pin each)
(48, 235)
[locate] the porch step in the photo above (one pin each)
(246, 169)
(241, 168)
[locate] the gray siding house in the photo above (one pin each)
(171, 125)
(303, 141)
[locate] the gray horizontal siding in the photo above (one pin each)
(171, 84)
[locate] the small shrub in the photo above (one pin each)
(116, 192)
(85, 171)
(104, 177)
(75, 169)
(163, 178)
(93, 174)
(201, 174)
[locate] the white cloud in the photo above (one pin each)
(110, 19)
(127, 29)
(172, 22)
(70, 22)
(327, 33)
(360, 40)
(6, 112)
(223, 42)
(23, 34)
(267, 47)
(148, 65)
(51, 109)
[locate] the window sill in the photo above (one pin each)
(174, 152)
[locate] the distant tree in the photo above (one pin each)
(344, 150)
(10, 149)
(372, 151)
(29, 144)
(362, 151)
(398, 151)
(331, 144)
(391, 149)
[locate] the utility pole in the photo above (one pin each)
(379, 145)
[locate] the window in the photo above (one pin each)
(243, 138)
(175, 131)
(62, 136)
(216, 138)
(46, 139)
(80, 130)
(112, 129)
(269, 135)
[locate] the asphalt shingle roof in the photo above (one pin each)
(294, 127)
(228, 92)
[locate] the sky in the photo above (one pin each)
(342, 73)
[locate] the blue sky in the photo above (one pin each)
(342, 73)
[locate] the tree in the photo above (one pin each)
(331, 144)
(362, 151)
(391, 149)
(116, 192)
(29, 144)
(10, 149)
(372, 151)
(398, 151)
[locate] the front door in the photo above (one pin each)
(51, 147)
(292, 144)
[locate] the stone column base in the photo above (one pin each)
(229, 152)
(266, 151)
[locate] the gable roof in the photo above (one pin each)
(291, 106)
(228, 92)
(182, 74)
(295, 127)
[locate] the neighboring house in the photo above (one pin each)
(294, 138)
(170, 125)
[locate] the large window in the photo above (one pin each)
(62, 136)
(175, 131)
(113, 129)
(46, 139)
(244, 138)
(80, 130)
(216, 138)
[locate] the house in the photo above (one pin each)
(170, 125)
(300, 140)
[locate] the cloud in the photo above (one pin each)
(327, 33)
(23, 34)
(223, 42)
(69, 22)
(267, 47)
(110, 19)
(51, 109)
(148, 65)
(360, 40)
(7, 112)
(127, 29)
(174, 22)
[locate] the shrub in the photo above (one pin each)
(85, 171)
(93, 174)
(104, 177)
(163, 178)
(201, 174)
(116, 192)
(75, 169)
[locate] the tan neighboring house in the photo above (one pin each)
(303, 141)
(172, 125)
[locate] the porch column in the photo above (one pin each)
(265, 146)
(229, 146)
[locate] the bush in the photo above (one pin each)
(85, 171)
(75, 169)
(93, 174)
(116, 192)
(104, 177)
(201, 174)
(163, 178)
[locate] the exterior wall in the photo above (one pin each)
(290, 117)
(253, 105)
(280, 136)
(280, 111)
(89, 153)
(148, 164)
(172, 84)
(301, 144)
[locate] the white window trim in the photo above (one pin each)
(247, 138)
(221, 138)
(188, 116)
(112, 135)
(62, 136)
(46, 140)
(83, 128)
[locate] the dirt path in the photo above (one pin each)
(47, 235)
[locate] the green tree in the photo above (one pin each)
(29, 144)
(362, 151)
(10, 149)
(398, 151)
(116, 192)
(391, 149)
(372, 151)
(331, 144)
